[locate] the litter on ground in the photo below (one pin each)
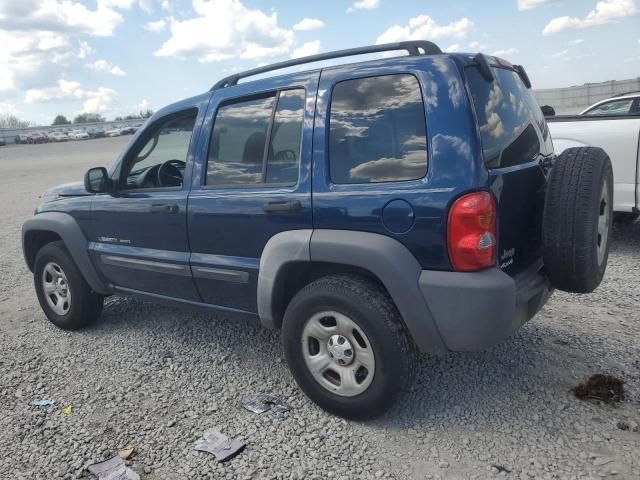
(223, 447)
(113, 469)
(263, 402)
(43, 403)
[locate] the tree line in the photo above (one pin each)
(9, 120)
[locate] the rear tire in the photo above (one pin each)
(346, 346)
(577, 219)
(64, 295)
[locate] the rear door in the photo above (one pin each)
(253, 182)
(515, 138)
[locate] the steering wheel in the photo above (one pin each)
(286, 155)
(169, 174)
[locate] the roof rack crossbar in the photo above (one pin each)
(417, 47)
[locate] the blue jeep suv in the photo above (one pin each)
(370, 211)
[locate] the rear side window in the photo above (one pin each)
(506, 113)
(615, 107)
(239, 153)
(377, 130)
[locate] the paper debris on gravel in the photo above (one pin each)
(68, 410)
(43, 403)
(113, 469)
(219, 445)
(263, 402)
(126, 452)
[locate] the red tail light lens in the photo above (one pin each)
(472, 232)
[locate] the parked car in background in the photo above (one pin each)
(113, 132)
(37, 137)
(2, 142)
(78, 135)
(95, 132)
(623, 104)
(128, 130)
(613, 125)
(404, 239)
(58, 136)
(21, 138)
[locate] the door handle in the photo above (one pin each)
(282, 206)
(164, 208)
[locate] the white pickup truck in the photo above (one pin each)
(613, 125)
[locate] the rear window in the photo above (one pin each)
(507, 115)
(377, 130)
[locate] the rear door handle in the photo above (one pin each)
(282, 206)
(165, 208)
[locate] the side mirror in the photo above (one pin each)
(97, 180)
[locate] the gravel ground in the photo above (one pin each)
(157, 377)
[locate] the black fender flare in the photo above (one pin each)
(386, 258)
(66, 227)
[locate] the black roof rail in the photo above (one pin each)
(417, 47)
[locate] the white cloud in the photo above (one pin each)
(7, 108)
(453, 48)
(529, 4)
(309, 24)
(144, 105)
(308, 48)
(577, 41)
(226, 29)
(99, 101)
(60, 16)
(104, 66)
(505, 52)
(560, 54)
(157, 26)
(95, 101)
(423, 26)
(364, 5)
(606, 11)
(31, 59)
(475, 45)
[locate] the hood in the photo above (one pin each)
(73, 189)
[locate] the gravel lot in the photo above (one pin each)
(157, 377)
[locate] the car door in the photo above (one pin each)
(253, 181)
(139, 230)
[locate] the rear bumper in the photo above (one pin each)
(473, 311)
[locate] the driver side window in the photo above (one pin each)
(161, 161)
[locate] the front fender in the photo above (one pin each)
(66, 227)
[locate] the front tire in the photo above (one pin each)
(346, 346)
(63, 293)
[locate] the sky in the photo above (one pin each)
(117, 57)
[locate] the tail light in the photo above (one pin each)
(472, 232)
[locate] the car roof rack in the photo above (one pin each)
(417, 47)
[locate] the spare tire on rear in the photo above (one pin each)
(577, 218)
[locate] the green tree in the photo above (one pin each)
(146, 113)
(8, 120)
(60, 120)
(89, 118)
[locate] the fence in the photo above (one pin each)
(572, 100)
(9, 134)
(566, 100)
